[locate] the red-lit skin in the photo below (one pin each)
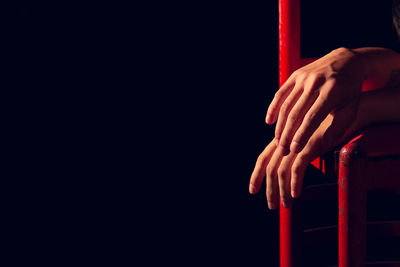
(284, 174)
(329, 84)
(377, 64)
(329, 81)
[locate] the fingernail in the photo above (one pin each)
(268, 119)
(294, 147)
(284, 204)
(296, 193)
(252, 189)
(271, 205)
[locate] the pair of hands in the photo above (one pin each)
(284, 174)
(315, 109)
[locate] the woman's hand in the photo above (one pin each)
(284, 174)
(331, 84)
(319, 106)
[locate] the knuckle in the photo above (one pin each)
(297, 73)
(311, 116)
(313, 76)
(285, 140)
(284, 108)
(302, 160)
(282, 173)
(260, 158)
(314, 82)
(270, 171)
(278, 94)
(301, 76)
(310, 89)
(293, 116)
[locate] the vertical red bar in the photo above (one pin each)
(289, 60)
(343, 202)
(352, 207)
(289, 38)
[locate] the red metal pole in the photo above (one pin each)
(289, 38)
(289, 60)
(352, 207)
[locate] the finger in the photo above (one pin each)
(285, 110)
(296, 117)
(309, 153)
(272, 181)
(298, 168)
(335, 133)
(284, 177)
(313, 118)
(258, 173)
(279, 98)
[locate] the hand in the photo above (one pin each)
(331, 84)
(284, 174)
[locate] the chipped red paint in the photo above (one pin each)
(351, 205)
(344, 159)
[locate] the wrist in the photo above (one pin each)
(362, 63)
(353, 61)
(377, 63)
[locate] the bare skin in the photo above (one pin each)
(330, 85)
(284, 173)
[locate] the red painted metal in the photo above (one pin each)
(289, 60)
(289, 38)
(369, 161)
(352, 167)
(352, 205)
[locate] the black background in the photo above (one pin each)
(227, 77)
(157, 115)
(223, 60)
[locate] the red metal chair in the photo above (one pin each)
(365, 166)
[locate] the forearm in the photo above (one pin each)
(380, 106)
(378, 63)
